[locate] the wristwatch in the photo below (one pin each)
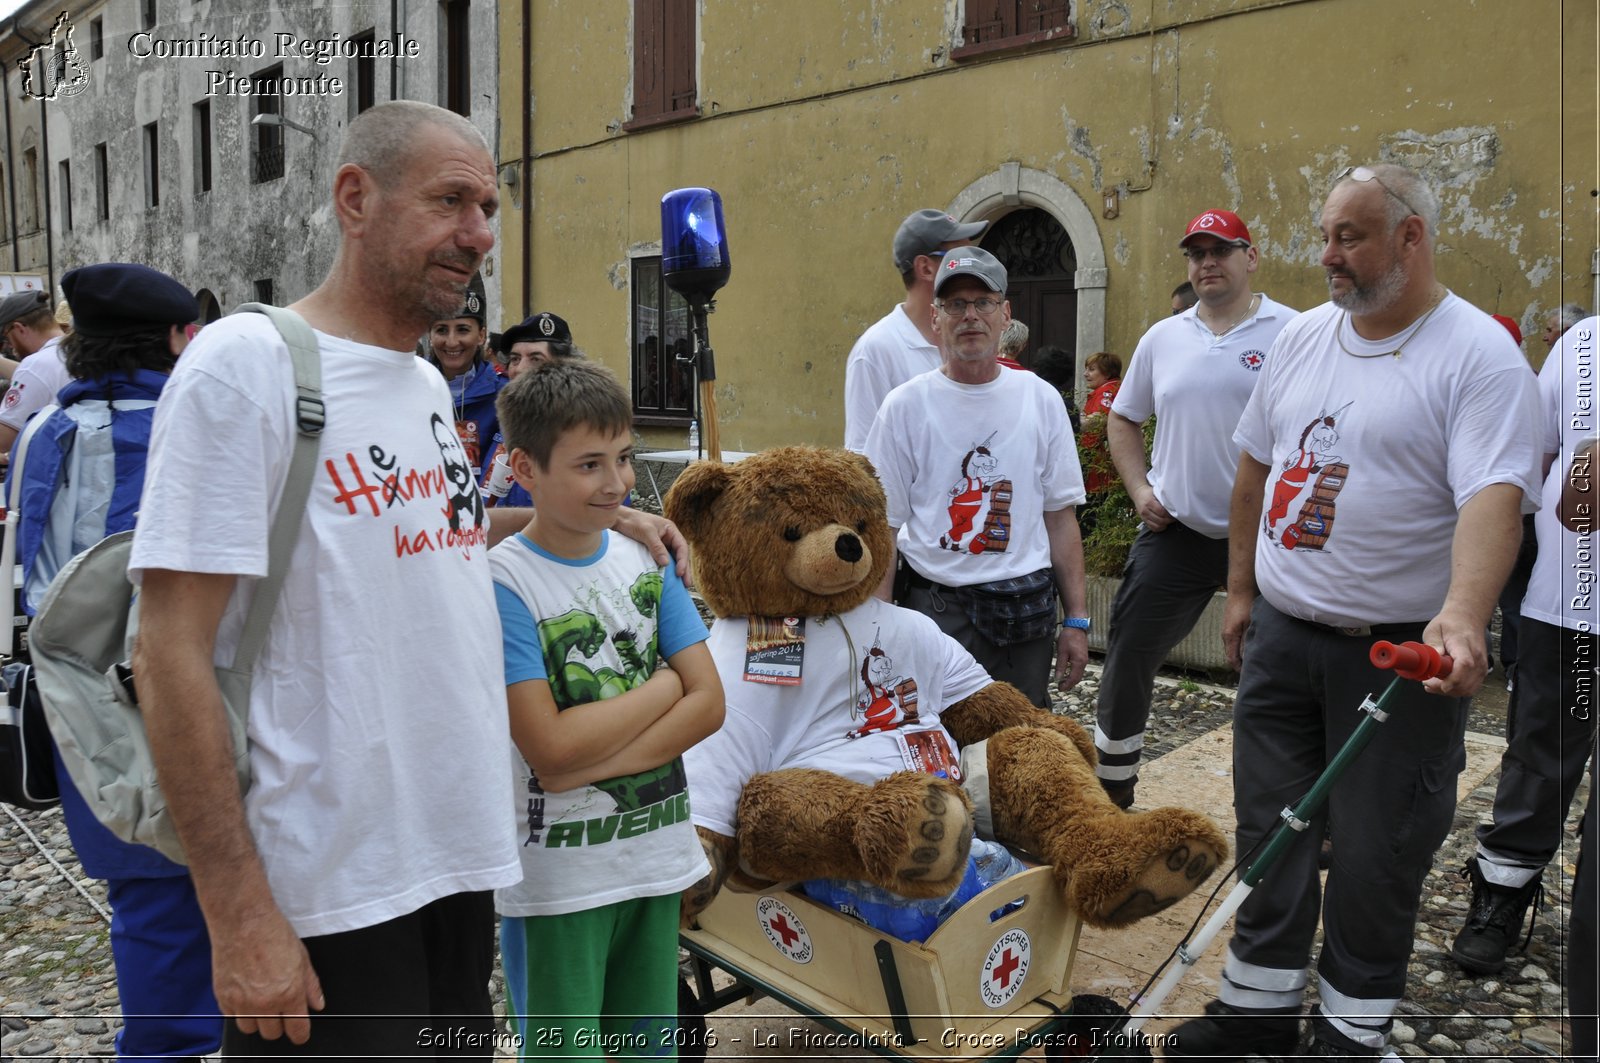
(1079, 622)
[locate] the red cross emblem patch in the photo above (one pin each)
(1006, 968)
(784, 929)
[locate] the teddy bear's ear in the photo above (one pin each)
(694, 494)
(861, 460)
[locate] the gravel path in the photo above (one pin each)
(58, 994)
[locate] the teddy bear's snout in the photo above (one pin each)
(829, 560)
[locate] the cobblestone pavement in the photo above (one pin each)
(58, 994)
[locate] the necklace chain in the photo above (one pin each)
(1249, 308)
(1433, 305)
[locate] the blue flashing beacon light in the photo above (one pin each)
(694, 244)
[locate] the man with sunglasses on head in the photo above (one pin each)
(901, 344)
(28, 322)
(1193, 372)
(1378, 497)
(981, 474)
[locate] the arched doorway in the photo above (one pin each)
(209, 310)
(1013, 187)
(1040, 269)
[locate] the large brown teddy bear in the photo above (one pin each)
(832, 699)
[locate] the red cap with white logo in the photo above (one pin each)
(1223, 224)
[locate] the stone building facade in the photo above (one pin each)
(1087, 131)
(131, 133)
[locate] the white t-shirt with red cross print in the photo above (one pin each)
(1196, 384)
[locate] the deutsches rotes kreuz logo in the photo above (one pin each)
(53, 69)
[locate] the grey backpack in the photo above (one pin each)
(82, 638)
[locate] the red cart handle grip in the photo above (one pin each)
(1411, 660)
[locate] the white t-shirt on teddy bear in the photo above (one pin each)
(835, 719)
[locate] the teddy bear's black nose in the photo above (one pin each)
(848, 547)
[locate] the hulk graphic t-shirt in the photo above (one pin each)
(592, 629)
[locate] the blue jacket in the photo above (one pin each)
(472, 398)
(81, 481)
(75, 494)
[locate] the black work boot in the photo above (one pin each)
(1329, 1043)
(1120, 791)
(1493, 921)
(1227, 1032)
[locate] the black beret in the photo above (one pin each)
(21, 304)
(542, 326)
(472, 304)
(116, 297)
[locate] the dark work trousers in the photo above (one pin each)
(1298, 701)
(416, 987)
(1168, 582)
(1550, 729)
(1583, 948)
(1025, 665)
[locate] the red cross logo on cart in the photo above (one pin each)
(781, 927)
(1006, 968)
(784, 929)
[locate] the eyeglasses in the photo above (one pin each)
(1364, 174)
(958, 307)
(1216, 251)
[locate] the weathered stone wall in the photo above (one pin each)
(240, 231)
(824, 123)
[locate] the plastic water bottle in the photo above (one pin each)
(694, 435)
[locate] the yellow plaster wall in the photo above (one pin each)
(825, 123)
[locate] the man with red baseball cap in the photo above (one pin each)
(1193, 372)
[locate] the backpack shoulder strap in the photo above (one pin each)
(8, 548)
(309, 419)
(34, 424)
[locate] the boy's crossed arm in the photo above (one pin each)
(558, 742)
(695, 714)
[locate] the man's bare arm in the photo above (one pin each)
(1066, 563)
(262, 975)
(1244, 513)
(1576, 509)
(1488, 532)
(1126, 442)
(885, 589)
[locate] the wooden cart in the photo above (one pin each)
(989, 983)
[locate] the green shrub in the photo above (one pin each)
(1113, 520)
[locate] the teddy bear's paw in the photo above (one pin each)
(914, 833)
(1169, 853)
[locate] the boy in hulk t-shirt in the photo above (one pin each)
(591, 934)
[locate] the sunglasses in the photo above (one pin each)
(1363, 174)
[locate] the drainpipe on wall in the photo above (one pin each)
(11, 163)
(526, 164)
(48, 221)
(1594, 275)
(394, 59)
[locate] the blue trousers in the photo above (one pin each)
(163, 957)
